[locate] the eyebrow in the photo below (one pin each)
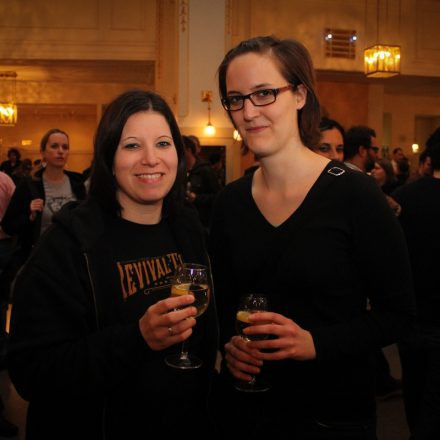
(137, 139)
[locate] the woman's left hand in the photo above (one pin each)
(292, 341)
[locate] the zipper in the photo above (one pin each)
(95, 306)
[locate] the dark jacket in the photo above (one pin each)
(85, 369)
(205, 185)
(16, 219)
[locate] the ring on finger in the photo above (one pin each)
(170, 331)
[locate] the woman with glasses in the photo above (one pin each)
(318, 240)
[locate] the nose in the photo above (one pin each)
(250, 111)
(149, 157)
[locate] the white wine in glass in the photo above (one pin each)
(252, 303)
(190, 279)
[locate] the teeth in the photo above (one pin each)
(149, 176)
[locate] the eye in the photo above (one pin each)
(235, 99)
(324, 148)
(131, 146)
(163, 144)
(340, 148)
(263, 93)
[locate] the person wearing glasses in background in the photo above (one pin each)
(331, 144)
(313, 259)
(360, 148)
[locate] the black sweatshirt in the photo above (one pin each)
(76, 351)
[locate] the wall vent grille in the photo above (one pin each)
(340, 43)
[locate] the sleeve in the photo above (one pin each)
(382, 269)
(221, 272)
(16, 217)
(211, 187)
(56, 345)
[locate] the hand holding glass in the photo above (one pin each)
(249, 304)
(190, 279)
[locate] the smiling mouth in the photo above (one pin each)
(150, 177)
(255, 129)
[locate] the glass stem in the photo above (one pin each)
(183, 352)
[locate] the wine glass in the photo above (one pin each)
(190, 279)
(251, 303)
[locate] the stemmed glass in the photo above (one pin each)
(190, 279)
(251, 303)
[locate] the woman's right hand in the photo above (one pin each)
(241, 360)
(36, 206)
(162, 325)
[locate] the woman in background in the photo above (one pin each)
(39, 197)
(331, 144)
(384, 175)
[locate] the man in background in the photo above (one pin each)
(202, 182)
(420, 354)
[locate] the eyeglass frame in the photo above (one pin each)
(275, 91)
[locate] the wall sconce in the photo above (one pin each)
(415, 148)
(209, 130)
(8, 108)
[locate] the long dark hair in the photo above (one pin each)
(296, 67)
(103, 185)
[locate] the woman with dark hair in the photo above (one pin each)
(383, 174)
(12, 163)
(331, 144)
(93, 319)
(298, 231)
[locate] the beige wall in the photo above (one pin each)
(88, 51)
(78, 30)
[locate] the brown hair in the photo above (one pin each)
(46, 136)
(297, 68)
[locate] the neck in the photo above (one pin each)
(281, 172)
(436, 174)
(358, 161)
(148, 214)
(54, 174)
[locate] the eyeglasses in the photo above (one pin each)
(260, 98)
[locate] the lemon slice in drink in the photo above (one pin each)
(180, 289)
(243, 316)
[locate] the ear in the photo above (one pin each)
(301, 96)
(362, 151)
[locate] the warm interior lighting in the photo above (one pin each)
(415, 148)
(382, 61)
(236, 136)
(207, 97)
(8, 114)
(8, 108)
(209, 129)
